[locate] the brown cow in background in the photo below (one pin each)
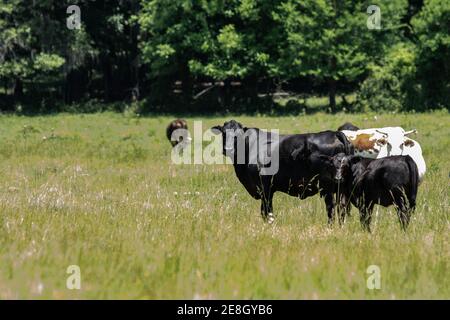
(175, 125)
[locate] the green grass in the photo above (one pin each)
(99, 191)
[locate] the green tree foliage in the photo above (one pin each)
(209, 40)
(329, 41)
(432, 26)
(171, 32)
(40, 55)
(390, 85)
(24, 52)
(223, 54)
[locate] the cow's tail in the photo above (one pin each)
(414, 181)
(348, 146)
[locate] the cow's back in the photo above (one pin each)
(329, 143)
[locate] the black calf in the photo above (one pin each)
(366, 182)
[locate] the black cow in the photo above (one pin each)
(366, 182)
(348, 126)
(297, 175)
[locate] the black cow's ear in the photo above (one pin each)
(217, 128)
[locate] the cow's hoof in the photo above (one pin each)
(270, 218)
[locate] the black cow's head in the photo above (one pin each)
(231, 131)
(338, 167)
(348, 126)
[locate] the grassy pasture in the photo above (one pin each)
(99, 191)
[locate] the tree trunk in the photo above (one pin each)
(107, 78)
(227, 93)
(18, 89)
(251, 88)
(187, 85)
(75, 86)
(332, 94)
(332, 84)
(67, 97)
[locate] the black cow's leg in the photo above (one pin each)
(403, 212)
(347, 205)
(366, 215)
(343, 208)
(266, 208)
(404, 217)
(410, 210)
(270, 216)
(266, 199)
(329, 203)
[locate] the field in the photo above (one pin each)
(100, 192)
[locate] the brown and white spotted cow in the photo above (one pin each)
(378, 143)
(412, 148)
(177, 132)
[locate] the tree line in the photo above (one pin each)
(207, 55)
